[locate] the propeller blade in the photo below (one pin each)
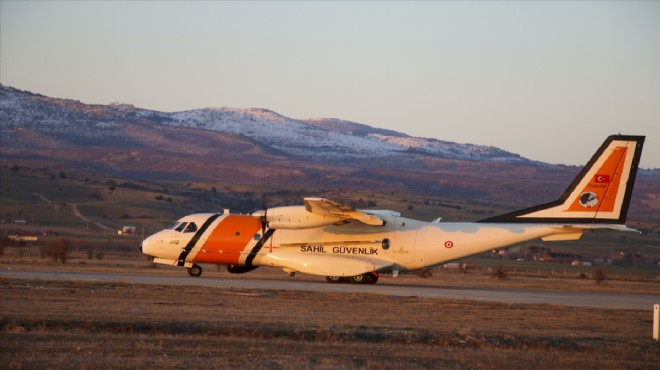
(264, 219)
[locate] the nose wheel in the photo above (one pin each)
(195, 270)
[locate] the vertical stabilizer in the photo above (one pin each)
(599, 194)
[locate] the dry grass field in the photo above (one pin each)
(87, 325)
(93, 325)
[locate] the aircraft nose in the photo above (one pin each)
(145, 247)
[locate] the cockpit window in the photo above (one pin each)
(173, 226)
(192, 227)
(181, 227)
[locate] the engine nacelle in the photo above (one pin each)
(295, 217)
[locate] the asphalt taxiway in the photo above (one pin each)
(511, 296)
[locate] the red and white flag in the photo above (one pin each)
(603, 179)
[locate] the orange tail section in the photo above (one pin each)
(599, 194)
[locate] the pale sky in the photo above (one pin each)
(548, 80)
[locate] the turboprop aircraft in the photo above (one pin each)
(327, 238)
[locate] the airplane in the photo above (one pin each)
(331, 239)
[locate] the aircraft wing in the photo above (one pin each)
(326, 265)
(325, 207)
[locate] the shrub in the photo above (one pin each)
(57, 250)
(425, 273)
(600, 276)
(500, 273)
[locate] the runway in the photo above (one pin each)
(511, 296)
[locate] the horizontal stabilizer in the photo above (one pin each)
(561, 237)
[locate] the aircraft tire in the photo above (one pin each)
(372, 278)
(359, 279)
(334, 279)
(195, 271)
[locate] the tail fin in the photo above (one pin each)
(600, 193)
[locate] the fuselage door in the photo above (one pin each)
(403, 243)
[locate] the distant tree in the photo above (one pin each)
(500, 273)
(158, 197)
(58, 250)
(600, 276)
(4, 241)
(62, 175)
(425, 272)
(14, 169)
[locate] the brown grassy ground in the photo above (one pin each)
(92, 325)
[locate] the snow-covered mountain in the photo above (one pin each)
(261, 147)
(325, 140)
(284, 134)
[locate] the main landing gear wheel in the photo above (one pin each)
(358, 279)
(372, 278)
(334, 279)
(195, 270)
(368, 278)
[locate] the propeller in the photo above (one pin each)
(264, 218)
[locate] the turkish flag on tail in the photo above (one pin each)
(603, 179)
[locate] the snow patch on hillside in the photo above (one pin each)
(282, 133)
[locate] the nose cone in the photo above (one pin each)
(146, 247)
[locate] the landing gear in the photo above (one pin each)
(195, 270)
(334, 279)
(358, 279)
(372, 278)
(368, 278)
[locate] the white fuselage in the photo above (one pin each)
(342, 250)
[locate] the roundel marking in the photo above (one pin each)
(449, 244)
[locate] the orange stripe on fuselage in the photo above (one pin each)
(229, 239)
(605, 192)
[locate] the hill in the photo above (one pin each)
(260, 147)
